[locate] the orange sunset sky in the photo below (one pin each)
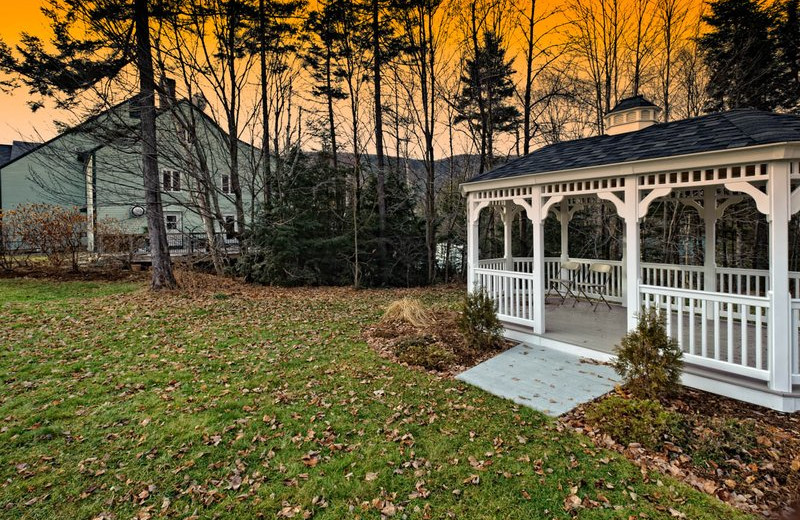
(17, 121)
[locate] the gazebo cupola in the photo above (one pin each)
(631, 114)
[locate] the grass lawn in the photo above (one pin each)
(224, 401)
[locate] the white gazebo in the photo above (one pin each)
(739, 328)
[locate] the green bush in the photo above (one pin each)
(478, 321)
(648, 360)
(724, 439)
(421, 350)
(634, 420)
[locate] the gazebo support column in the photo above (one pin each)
(780, 348)
(632, 251)
(564, 217)
(709, 215)
(537, 221)
(509, 212)
(473, 255)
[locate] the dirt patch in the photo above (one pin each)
(745, 455)
(438, 347)
(85, 274)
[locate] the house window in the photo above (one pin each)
(171, 221)
(230, 224)
(171, 180)
(226, 184)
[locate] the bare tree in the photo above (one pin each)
(671, 21)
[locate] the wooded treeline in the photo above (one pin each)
(366, 115)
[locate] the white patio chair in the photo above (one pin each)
(597, 284)
(565, 283)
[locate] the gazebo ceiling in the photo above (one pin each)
(714, 132)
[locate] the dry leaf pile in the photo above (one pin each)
(760, 475)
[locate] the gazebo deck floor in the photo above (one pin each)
(600, 330)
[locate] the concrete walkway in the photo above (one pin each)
(547, 380)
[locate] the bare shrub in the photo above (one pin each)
(54, 231)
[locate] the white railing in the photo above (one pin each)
(745, 282)
(512, 293)
(796, 341)
(750, 282)
(492, 263)
(718, 331)
(523, 265)
(672, 275)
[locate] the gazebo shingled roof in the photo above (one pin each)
(721, 131)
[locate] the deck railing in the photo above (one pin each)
(796, 341)
(512, 292)
(718, 331)
(730, 280)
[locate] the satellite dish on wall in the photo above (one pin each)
(137, 211)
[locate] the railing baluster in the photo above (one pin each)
(692, 326)
(743, 312)
(729, 323)
(716, 329)
(704, 329)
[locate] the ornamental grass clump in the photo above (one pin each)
(407, 310)
(648, 360)
(479, 323)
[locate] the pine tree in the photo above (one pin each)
(741, 55)
(485, 101)
(321, 60)
(94, 41)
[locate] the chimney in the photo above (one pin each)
(631, 114)
(166, 96)
(199, 100)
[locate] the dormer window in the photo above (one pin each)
(645, 114)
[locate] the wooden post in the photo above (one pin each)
(538, 261)
(473, 256)
(632, 251)
(508, 221)
(780, 340)
(709, 215)
(564, 218)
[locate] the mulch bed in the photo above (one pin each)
(385, 336)
(760, 475)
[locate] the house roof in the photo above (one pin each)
(5, 153)
(113, 131)
(632, 102)
(714, 132)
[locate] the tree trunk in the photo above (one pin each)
(526, 109)
(380, 177)
(163, 277)
(331, 120)
(265, 154)
(233, 124)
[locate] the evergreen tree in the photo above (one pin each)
(304, 237)
(485, 101)
(321, 59)
(741, 55)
